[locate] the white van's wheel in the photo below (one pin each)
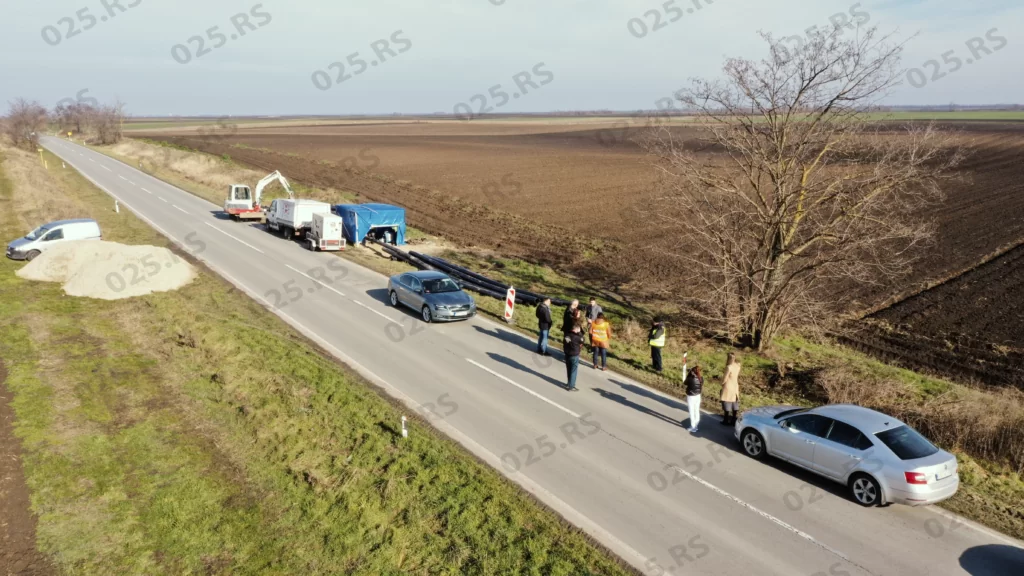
(31, 255)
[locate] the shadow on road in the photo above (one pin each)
(220, 215)
(513, 364)
(380, 295)
(670, 402)
(638, 407)
(993, 560)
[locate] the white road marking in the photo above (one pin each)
(317, 281)
(175, 205)
(524, 388)
(105, 168)
(162, 199)
(382, 315)
(146, 191)
(589, 526)
(768, 516)
(232, 236)
(126, 180)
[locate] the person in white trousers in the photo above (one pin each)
(694, 386)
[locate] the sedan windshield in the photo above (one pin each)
(440, 285)
(907, 443)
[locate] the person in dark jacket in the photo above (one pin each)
(544, 325)
(573, 347)
(694, 386)
(656, 339)
(569, 317)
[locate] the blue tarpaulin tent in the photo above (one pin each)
(358, 220)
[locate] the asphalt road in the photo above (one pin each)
(612, 458)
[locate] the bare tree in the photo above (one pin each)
(107, 121)
(793, 189)
(24, 122)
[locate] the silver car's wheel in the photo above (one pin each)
(427, 316)
(31, 255)
(394, 298)
(865, 490)
(753, 444)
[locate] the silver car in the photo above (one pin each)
(436, 296)
(880, 459)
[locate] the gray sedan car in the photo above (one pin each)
(880, 459)
(433, 294)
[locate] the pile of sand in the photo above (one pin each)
(108, 270)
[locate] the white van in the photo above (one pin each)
(52, 234)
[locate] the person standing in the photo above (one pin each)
(544, 325)
(593, 309)
(694, 387)
(600, 337)
(569, 317)
(731, 390)
(573, 347)
(656, 339)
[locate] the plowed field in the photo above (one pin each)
(574, 195)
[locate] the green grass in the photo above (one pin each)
(193, 432)
(986, 486)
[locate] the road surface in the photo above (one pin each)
(612, 458)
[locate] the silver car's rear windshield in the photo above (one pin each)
(791, 412)
(907, 443)
(440, 285)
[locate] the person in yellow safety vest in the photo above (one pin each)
(600, 335)
(656, 338)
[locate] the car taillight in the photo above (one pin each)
(916, 478)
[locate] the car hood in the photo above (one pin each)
(450, 298)
(17, 244)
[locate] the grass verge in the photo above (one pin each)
(194, 432)
(981, 427)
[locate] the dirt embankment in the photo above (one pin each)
(18, 553)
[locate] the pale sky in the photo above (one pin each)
(454, 49)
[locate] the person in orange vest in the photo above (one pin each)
(600, 336)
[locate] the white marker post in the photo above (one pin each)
(63, 165)
(405, 431)
(510, 303)
(684, 365)
(117, 207)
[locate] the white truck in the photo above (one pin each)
(325, 234)
(293, 217)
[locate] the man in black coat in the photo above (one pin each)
(569, 317)
(573, 348)
(544, 325)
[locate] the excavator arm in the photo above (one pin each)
(276, 175)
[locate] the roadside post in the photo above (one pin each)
(405, 430)
(117, 207)
(510, 303)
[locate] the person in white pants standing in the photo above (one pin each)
(694, 386)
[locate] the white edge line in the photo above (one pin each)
(766, 515)
(580, 520)
(231, 236)
(377, 312)
(568, 512)
(523, 388)
(317, 281)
